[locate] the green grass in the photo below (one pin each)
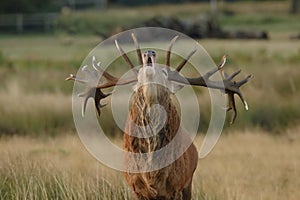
(36, 100)
(279, 23)
(110, 21)
(243, 16)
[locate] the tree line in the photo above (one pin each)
(38, 6)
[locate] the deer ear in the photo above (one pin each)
(174, 87)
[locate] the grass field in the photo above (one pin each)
(247, 15)
(36, 75)
(41, 156)
(247, 165)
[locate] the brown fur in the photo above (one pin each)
(173, 181)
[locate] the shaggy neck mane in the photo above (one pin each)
(155, 128)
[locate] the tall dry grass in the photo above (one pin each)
(35, 113)
(252, 165)
(248, 165)
(57, 168)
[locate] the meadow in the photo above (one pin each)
(41, 156)
(244, 165)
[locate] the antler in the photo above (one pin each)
(92, 89)
(138, 49)
(169, 50)
(230, 87)
(182, 64)
(124, 55)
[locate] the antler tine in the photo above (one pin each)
(111, 80)
(169, 50)
(239, 84)
(243, 100)
(89, 93)
(182, 64)
(97, 95)
(138, 49)
(233, 75)
(71, 77)
(232, 106)
(74, 78)
(222, 62)
(242, 82)
(92, 75)
(224, 75)
(214, 70)
(124, 55)
(231, 100)
(106, 75)
(85, 100)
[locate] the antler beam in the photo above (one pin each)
(230, 87)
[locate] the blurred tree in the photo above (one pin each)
(39, 6)
(30, 6)
(151, 2)
(295, 4)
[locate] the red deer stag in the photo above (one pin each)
(155, 85)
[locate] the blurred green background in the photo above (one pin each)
(35, 58)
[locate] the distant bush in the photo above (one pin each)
(30, 6)
(87, 22)
(2, 59)
(147, 2)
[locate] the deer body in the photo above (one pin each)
(173, 181)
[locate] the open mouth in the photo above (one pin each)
(149, 61)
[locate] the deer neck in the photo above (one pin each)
(153, 124)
